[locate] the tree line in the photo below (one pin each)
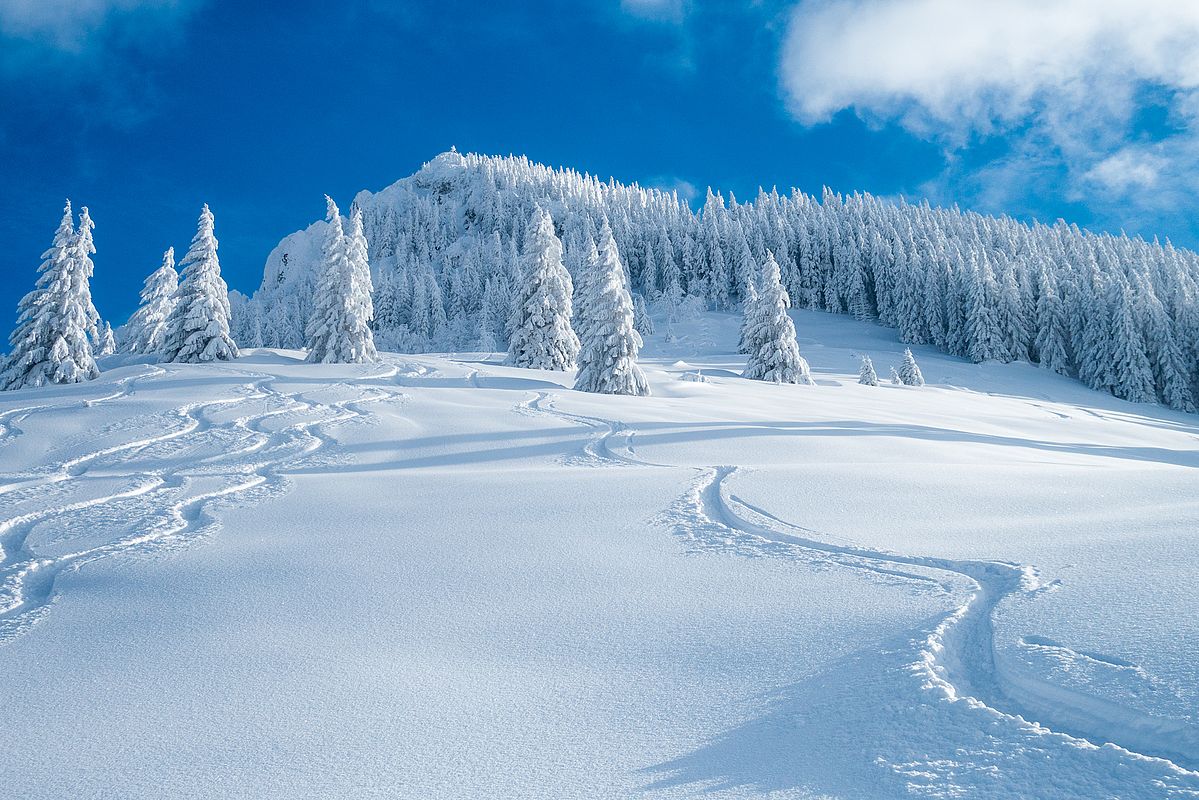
(1119, 313)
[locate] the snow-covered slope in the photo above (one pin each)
(442, 577)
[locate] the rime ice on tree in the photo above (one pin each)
(52, 342)
(608, 361)
(339, 329)
(866, 374)
(909, 371)
(770, 333)
(198, 329)
(542, 337)
(108, 343)
(146, 329)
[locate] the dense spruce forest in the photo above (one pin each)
(1119, 313)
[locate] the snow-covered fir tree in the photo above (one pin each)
(895, 379)
(542, 337)
(587, 274)
(1052, 327)
(909, 371)
(85, 248)
(642, 320)
(745, 342)
(146, 329)
(608, 358)
(866, 374)
(1132, 372)
(770, 333)
(339, 329)
(198, 328)
(108, 342)
(52, 342)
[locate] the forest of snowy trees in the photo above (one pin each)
(1121, 314)
(469, 252)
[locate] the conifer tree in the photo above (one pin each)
(775, 352)
(85, 248)
(649, 272)
(1051, 328)
(909, 370)
(491, 315)
(1131, 368)
(542, 337)
(51, 343)
(339, 329)
(895, 379)
(1166, 357)
(642, 321)
(585, 278)
(388, 302)
(608, 358)
(198, 328)
(146, 329)
(866, 374)
(108, 343)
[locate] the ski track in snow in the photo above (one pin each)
(255, 466)
(956, 659)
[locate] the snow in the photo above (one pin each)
(438, 576)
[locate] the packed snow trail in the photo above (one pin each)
(254, 462)
(955, 659)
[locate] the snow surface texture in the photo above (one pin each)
(438, 576)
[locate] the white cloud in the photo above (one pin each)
(976, 62)
(1065, 80)
(1128, 169)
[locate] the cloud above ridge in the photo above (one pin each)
(1105, 92)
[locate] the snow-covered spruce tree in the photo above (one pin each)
(198, 328)
(339, 329)
(775, 352)
(85, 248)
(51, 343)
(895, 379)
(1052, 328)
(608, 359)
(745, 344)
(909, 370)
(108, 343)
(1131, 368)
(866, 374)
(642, 321)
(540, 324)
(146, 329)
(586, 275)
(1169, 364)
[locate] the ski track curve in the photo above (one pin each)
(598, 450)
(956, 659)
(255, 468)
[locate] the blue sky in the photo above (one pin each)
(145, 109)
